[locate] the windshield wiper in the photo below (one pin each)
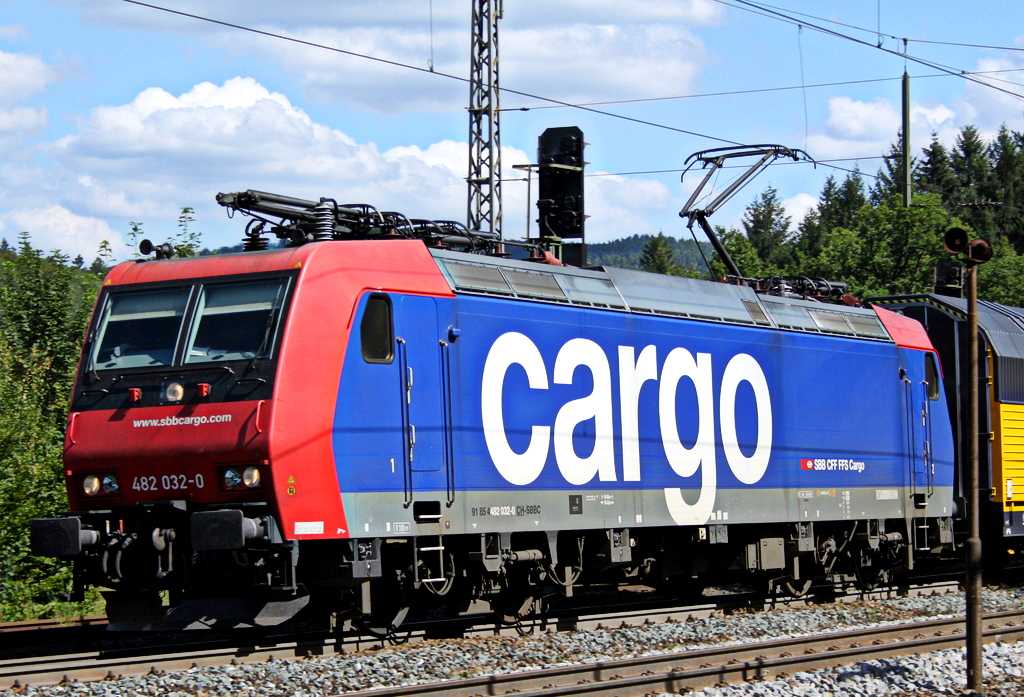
(268, 331)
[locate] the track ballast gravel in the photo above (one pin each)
(939, 673)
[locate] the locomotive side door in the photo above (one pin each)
(422, 383)
(921, 387)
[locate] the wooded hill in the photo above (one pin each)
(627, 252)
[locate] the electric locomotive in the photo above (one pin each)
(390, 414)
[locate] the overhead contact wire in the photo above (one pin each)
(408, 66)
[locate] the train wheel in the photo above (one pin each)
(869, 572)
(513, 607)
(794, 587)
(385, 623)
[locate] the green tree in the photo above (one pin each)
(659, 256)
(935, 174)
(743, 254)
(889, 182)
(890, 249)
(767, 227)
(969, 161)
(1006, 187)
(838, 206)
(31, 482)
(999, 278)
(98, 267)
(44, 307)
(973, 171)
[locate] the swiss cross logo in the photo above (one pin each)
(807, 464)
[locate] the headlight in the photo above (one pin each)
(91, 485)
(240, 477)
(251, 477)
(174, 392)
(96, 484)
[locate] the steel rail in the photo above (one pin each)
(701, 668)
(114, 658)
(34, 625)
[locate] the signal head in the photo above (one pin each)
(979, 251)
(955, 240)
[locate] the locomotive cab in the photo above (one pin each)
(166, 454)
(198, 450)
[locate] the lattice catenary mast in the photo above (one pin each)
(484, 137)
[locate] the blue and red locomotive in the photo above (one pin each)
(379, 417)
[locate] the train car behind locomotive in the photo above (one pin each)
(372, 422)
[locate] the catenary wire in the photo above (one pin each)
(782, 163)
(890, 36)
(760, 90)
(417, 68)
(755, 8)
(432, 71)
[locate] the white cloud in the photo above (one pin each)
(856, 128)
(797, 207)
(12, 31)
(587, 62)
(571, 51)
(989, 105)
(21, 77)
(865, 121)
(448, 154)
(934, 117)
(19, 124)
(578, 62)
(55, 227)
(624, 206)
(144, 160)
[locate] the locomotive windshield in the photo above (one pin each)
(140, 329)
(234, 321)
(215, 322)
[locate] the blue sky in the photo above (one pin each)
(112, 112)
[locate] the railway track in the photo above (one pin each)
(8, 628)
(698, 669)
(126, 656)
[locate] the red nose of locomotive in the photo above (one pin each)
(199, 451)
(175, 392)
(196, 448)
(168, 443)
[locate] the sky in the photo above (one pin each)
(112, 112)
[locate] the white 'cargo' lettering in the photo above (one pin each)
(514, 348)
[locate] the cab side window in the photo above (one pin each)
(931, 376)
(377, 333)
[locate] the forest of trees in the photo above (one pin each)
(859, 233)
(45, 302)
